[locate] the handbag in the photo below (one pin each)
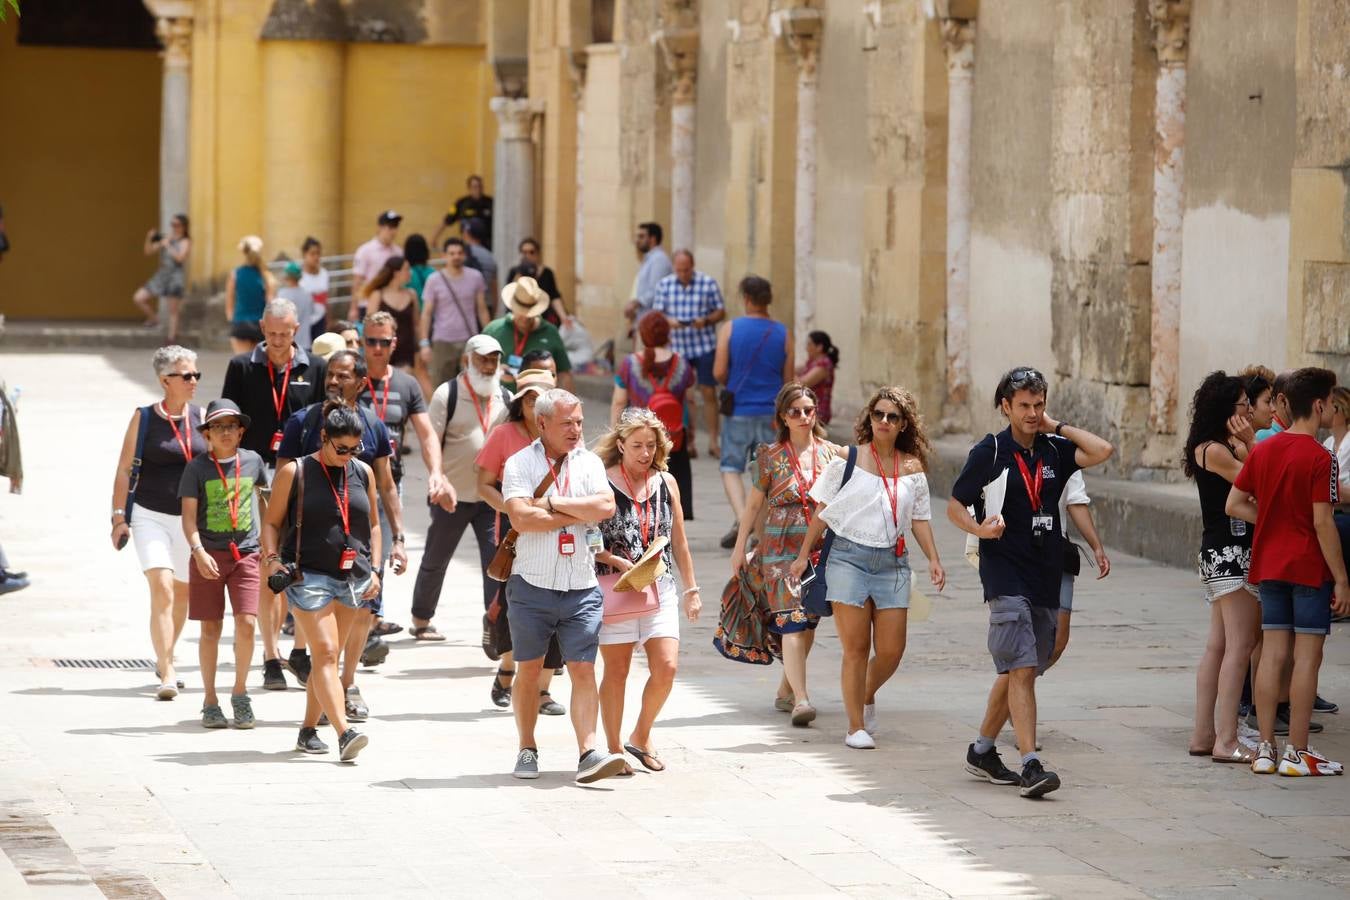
(814, 602)
(620, 606)
(726, 397)
(500, 567)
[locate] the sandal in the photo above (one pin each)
(426, 633)
(501, 696)
(650, 761)
(803, 714)
(384, 629)
(1243, 754)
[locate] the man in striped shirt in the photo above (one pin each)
(692, 302)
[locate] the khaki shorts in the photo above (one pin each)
(1021, 635)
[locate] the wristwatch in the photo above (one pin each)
(1059, 429)
(119, 512)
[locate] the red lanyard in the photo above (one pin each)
(483, 412)
(892, 486)
(278, 399)
(1033, 487)
(232, 500)
(560, 487)
(178, 435)
(343, 503)
(642, 509)
(803, 486)
(379, 408)
(520, 339)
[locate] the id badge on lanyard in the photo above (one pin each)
(276, 441)
(567, 543)
(347, 560)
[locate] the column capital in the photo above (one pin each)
(958, 39)
(679, 49)
(515, 117)
(1171, 20)
(799, 26)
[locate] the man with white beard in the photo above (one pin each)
(463, 411)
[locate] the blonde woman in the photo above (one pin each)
(634, 452)
(250, 285)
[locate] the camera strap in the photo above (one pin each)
(299, 505)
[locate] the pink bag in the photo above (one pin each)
(620, 606)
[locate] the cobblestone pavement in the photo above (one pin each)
(103, 789)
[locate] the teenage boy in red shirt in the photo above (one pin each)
(1287, 488)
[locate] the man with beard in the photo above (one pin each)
(463, 411)
(345, 380)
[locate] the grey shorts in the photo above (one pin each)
(1066, 593)
(1021, 636)
(536, 614)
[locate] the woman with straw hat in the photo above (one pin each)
(640, 539)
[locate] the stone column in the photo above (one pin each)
(679, 47)
(513, 188)
(173, 27)
(801, 26)
(959, 39)
(1171, 22)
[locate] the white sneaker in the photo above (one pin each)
(860, 740)
(1297, 763)
(869, 717)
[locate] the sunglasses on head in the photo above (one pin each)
(1024, 375)
(379, 342)
(353, 450)
(186, 376)
(801, 412)
(892, 418)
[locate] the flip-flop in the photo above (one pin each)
(384, 629)
(1243, 754)
(426, 633)
(650, 761)
(1199, 752)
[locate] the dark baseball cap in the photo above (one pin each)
(390, 217)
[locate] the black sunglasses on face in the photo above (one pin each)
(891, 417)
(801, 412)
(379, 342)
(186, 376)
(347, 451)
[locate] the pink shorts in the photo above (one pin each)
(206, 597)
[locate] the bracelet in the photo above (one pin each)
(119, 512)
(549, 501)
(690, 590)
(1059, 429)
(424, 342)
(196, 548)
(398, 539)
(272, 557)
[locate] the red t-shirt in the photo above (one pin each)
(503, 442)
(1287, 474)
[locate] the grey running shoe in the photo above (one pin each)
(212, 717)
(356, 706)
(527, 763)
(350, 744)
(243, 711)
(308, 741)
(595, 765)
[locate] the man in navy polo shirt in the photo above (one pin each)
(1021, 561)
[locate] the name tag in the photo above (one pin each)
(900, 546)
(1042, 525)
(567, 543)
(234, 552)
(276, 442)
(513, 361)
(347, 560)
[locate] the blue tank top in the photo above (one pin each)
(758, 351)
(250, 294)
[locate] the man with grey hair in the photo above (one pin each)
(268, 384)
(556, 493)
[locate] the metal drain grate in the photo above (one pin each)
(104, 663)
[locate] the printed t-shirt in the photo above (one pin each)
(202, 482)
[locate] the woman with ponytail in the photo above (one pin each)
(817, 373)
(250, 285)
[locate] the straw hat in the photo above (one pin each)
(537, 380)
(525, 297)
(251, 242)
(326, 344)
(649, 567)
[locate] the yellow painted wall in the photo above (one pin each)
(58, 106)
(415, 125)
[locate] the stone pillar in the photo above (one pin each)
(513, 189)
(173, 27)
(679, 47)
(800, 27)
(959, 38)
(1171, 21)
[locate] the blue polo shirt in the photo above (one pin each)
(1013, 565)
(302, 435)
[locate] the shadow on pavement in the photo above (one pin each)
(189, 726)
(484, 672)
(233, 757)
(547, 781)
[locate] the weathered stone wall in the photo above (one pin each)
(1240, 115)
(712, 136)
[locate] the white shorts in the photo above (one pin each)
(664, 623)
(160, 542)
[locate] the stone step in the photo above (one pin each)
(54, 334)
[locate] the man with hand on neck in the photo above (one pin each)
(553, 588)
(1021, 561)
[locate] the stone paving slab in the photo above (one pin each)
(126, 796)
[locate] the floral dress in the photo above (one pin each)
(757, 607)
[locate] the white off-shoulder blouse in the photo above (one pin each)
(860, 511)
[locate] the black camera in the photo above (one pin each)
(156, 237)
(289, 575)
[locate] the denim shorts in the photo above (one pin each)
(1021, 636)
(317, 590)
(855, 572)
(703, 368)
(1287, 606)
(740, 435)
(536, 614)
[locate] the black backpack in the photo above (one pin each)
(452, 402)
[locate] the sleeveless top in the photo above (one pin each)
(167, 263)
(757, 353)
(322, 540)
(250, 294)
(622, 531)
(406, 320)
(162, 461)
(1220, 530)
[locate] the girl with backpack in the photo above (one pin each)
(659, 379)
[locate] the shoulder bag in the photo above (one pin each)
(815, 601)
(726, 397)
(142, 429)
(477, 326)
(500, 567)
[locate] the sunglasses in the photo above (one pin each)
(186, 376)
(353, 450)
(379, 342)
(801, 412)
(1019, 377)
(892, 418)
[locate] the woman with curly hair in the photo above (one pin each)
(1220, 438)
(762, 616)
(867, 574)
